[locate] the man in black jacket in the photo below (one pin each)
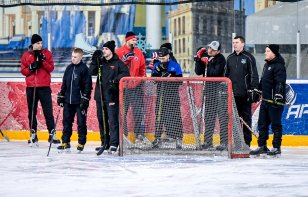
(74, 97)
(211, 63)
(112, 70)
(242, 71)
(272, 85)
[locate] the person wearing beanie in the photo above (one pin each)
(74, 97)
(36, 65)
(134, 59)
(241, 69)
(272, 86)
(109, 70)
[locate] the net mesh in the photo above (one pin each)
(179, 116)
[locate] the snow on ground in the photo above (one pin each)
(26, 171)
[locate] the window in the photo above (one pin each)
(179, 25)
(184, 45)
(174, 26)
(180, 48)
(175, 47)
(183, 24)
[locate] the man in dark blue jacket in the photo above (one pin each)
(242, 71)
(272, 85)
(112, 70)
(168, 114)
(74, 97)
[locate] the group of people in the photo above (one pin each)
(240, 68)
(110, 66)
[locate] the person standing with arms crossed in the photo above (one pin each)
(37, 64)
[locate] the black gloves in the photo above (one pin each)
(254, 95)
(161, 68)
(84, 102)
(39, 56)
(112, 86)
(278, 98)
(60, 99)
(97, 56)
(34, 66)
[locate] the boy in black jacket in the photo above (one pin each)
(112, 70)
(74, 97)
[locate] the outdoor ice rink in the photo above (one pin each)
(26, 171)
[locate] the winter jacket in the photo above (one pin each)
(137, 67)
(241, 69)
(173, 69)
(112, 72)
(215, 67)
(76, 81)
(41, 77)
(273, 80)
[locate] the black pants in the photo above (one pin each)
(113, 119)
(216, 103)
(168, 111)
(134, 97)
(99, 114)
(270, 114)
(69, 112)
(42, 94)
(244, 110)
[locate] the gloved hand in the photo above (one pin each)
(97, 56)
(84, 102)
(154, 60)
(60, 99)
(200, 52)
(206, 60)
(254, 95)
(39, 55)
(161, 68)
(112, 86)
(278, 98)
(127, 58)
(34, 66)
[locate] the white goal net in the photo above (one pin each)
(180, 116)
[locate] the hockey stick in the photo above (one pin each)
(276, 103)
(6, 138)
(249, 128)
(52, 133)
(101, 150)
(194, 116)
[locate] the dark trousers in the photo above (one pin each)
(113, 119)
(244, 110)
(69, 112)
(168, 111)
(270, 114)
(216, 103)
(134, 97)
(101, 123)
(42, 94)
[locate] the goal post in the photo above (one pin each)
(180, 115)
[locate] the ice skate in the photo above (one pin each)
(33, 141)
(64, 147)
(274, 152)
(207, 146)
(260, 151)
(142, 139)
(178, 143)
(53, 138)
(156, 143)
(112, 150)
(80, 148)
(222, 147)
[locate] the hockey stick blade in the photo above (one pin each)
(53, 131)
(6, 138)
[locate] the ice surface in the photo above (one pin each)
(26, 171)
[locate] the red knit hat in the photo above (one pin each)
(130, 35)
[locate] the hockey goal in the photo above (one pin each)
(180, 116)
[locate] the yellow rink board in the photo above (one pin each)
(287, 140)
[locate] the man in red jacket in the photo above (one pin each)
(36, 65)
(134, 59)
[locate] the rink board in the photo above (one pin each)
(14, 120)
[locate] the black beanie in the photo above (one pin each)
(35, 38)
(167, 45)
(110, 45)
(130, 35)
(274, 48)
